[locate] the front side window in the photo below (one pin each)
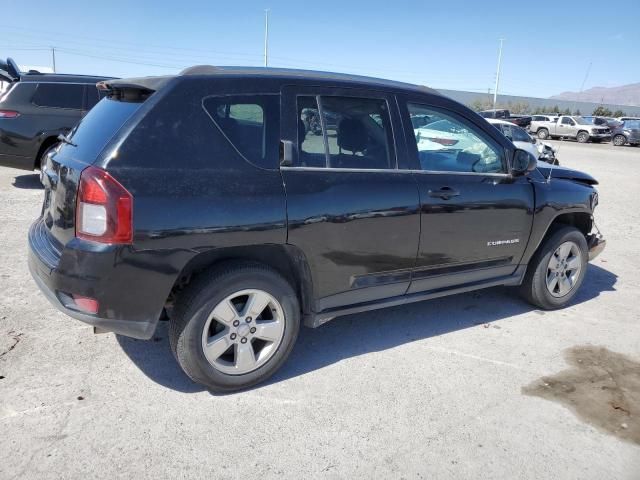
(243, 119)
(567, 121)
(519, 134)
(452, 144)
(59, 95)
(344, 132)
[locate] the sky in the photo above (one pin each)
(549, 46)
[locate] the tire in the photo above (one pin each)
(582, 137)
(543, 133)
(195, 311)
(535, 288)
(619, 140)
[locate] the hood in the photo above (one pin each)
(565, 173)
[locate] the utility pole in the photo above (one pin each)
(266, 37)
(495, 92)
(53, 58)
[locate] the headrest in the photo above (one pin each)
(352, 135)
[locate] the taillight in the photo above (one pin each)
(104, 208)
(9, 114)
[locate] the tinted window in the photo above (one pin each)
(537, 118)
(244, 121)
(454, 145)
(93, 97)
(348, 132)
(567, 121)
(98, 126)
(59, 95)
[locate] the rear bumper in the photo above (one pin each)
(596, 244)
(131, 287)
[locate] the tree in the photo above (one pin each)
(577, 112)
(619, 113)
(537, 111)
(555, 109)
(602, 112)
(567, 111)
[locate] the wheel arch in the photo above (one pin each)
(580, 219)
(287, 260)
(47, 142)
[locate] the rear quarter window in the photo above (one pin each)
(249, 123)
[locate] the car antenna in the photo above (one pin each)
(553, 164)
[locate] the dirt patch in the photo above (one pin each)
(602, 388)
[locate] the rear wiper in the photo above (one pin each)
(64, 139)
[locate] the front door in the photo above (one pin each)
(475, 218)
(350, 210)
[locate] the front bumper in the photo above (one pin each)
(131, 294)
(595, 244)
(600, 136)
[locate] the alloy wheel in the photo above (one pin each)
(243, 332)
(564, 269)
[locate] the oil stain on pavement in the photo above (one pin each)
(602, 388)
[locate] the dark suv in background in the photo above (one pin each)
(205, 195)
(36, 108)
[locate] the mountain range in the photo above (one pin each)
(623, 95)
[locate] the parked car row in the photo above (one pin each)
(620, 131)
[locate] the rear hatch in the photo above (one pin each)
(63, 167)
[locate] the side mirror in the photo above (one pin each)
(523, 163)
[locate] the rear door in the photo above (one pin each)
(351, 210)
(475, 218)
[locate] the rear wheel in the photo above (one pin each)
(235, 326)
(583, 137)
(557, 270)
(543, 134)
(619, 140)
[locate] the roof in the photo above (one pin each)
(155, 83)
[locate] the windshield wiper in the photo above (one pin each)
(64, 139)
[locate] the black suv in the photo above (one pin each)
(37, 108)
(205, 196)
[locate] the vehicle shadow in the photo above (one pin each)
(367, 332)
(29, 182)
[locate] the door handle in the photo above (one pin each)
(444, 193)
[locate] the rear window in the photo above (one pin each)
(59, 95)
(98, 127)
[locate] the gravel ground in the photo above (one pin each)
(439, 389)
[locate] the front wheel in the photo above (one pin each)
(619, 140)
(557, 270)
(234, 326)
(583, 137)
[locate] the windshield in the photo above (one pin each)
(581, 121)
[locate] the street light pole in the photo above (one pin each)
(266, 37)
(53, 58)
(495, 92)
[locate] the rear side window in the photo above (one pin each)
(249, 123)
(59, 95)
(344, 132)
